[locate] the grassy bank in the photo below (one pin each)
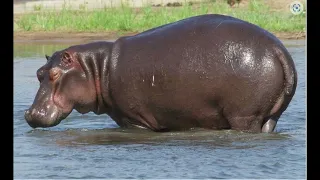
(126, 19)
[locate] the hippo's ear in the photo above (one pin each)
(47, 57)
(67, 58)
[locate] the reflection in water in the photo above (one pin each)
(40, 49)
(76, 137)
(30, 50)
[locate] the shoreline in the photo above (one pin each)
(27, 37)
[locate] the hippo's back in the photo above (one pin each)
(197, 39)
(212, 27)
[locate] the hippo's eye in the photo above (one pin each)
(54, 74)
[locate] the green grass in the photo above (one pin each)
(126, 19)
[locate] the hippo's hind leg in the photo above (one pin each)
(270, 122)
(269, 125)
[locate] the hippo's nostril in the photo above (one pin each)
(27, 115)
(27, 112)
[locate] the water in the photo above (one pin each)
(91, 146)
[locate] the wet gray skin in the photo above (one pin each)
(209, 71)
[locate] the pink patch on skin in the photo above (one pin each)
(59, 101)
(98, 88)
(74, 61)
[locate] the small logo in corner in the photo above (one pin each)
(296, 7)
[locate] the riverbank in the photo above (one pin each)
(25, 37)
(111, 23)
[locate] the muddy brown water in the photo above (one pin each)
(91, 146)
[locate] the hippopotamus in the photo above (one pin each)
(210, 71)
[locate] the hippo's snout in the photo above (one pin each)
(38, 118)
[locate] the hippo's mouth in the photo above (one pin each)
(45, 115)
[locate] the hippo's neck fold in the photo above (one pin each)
(105, 78)
(94, 62)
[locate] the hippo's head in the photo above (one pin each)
(66, 83)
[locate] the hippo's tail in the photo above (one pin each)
(290, 79)
(289, 70)
(290, 84)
